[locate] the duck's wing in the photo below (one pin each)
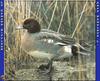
(47, 30)
(64, 38)
(47, 35)
(51, 31)
(52, 35)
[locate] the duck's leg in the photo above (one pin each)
(47, 68)
(50, 65)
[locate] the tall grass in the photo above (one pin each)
(73, 18)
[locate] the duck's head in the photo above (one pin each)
(31, 25)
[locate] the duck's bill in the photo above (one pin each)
(19, 27)
(85, 54)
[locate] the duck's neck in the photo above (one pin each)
(32, 31)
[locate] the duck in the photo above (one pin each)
(47, 44)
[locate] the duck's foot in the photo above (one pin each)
(45, 68)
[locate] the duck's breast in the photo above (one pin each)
(44, 47)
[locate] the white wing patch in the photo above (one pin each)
(67, 49)
(49, 41)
